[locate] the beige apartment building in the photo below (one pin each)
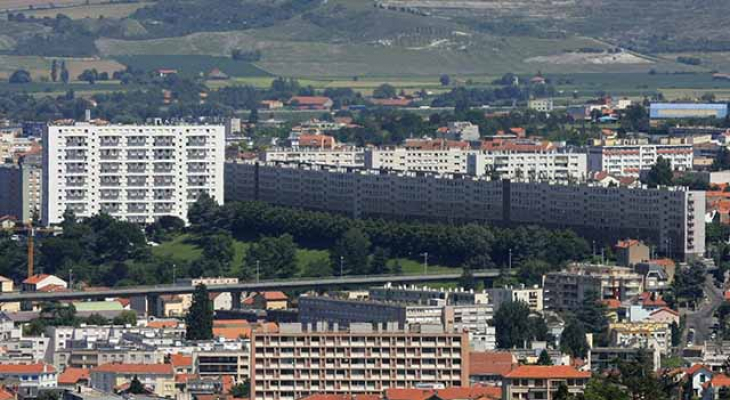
(671, 219)
(528, 382)
(628, 157)
(340, 156)
(567, 289)
(301, 360)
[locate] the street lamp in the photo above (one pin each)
(258, 265)
(509, 260)
(425, 262)
(342, 269)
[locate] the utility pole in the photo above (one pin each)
(425, 262)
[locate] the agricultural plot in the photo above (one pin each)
(193, 65)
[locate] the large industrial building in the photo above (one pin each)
(687, 110)
(670, 218)
(136, 173)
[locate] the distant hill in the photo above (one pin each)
(393, 37)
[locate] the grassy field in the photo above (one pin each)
(112, 10)
(182, 249)
(40, 67)
(193, 65)
(14, 5)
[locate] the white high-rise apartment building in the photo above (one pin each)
(136, 173)
(629, 157)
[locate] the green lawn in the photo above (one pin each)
(182, 249)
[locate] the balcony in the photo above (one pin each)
(75, 194)
(197, 154)
(110, 208)
(136, 207)
(136, 168)
(197, 141)
(136, 155)
(136, 141)
(164, 142)
(109, 141)
(110, 181)
(134, 181)
(136, 194)
(109, 155)
(164, 168)
(75, 181)
(163, 181)
(109, 194)
(163, 208)
(76, 169)
(76, 142)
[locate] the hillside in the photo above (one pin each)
(345, 38)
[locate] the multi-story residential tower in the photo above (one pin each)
(301, 360)
(136, 173)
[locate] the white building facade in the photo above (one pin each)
(629, 158)
(136, 173)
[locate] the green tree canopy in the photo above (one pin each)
(199, 320)
(352, 249)
(660, 173)
(511, 323)
(276, 258)
(573, 340)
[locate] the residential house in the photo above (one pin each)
(30, 378)
(268, 301)
(73, 378)
(311, 102)
(630, 252)
(698, 375)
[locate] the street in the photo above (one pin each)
(701, 320)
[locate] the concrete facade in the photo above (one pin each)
(672, 219)
(136, 173)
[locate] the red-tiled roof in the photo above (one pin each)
(663, 262)
(4, 279)
(162, 324)
(625, 244)
(6, 394)
(319, 396)
(184, 378)
(544, 372)
(647, 300)
(696, 368)
(274, 296)
(310, 100)
(72, 376)
(490, 363)
(452, 393)
(720, 380)
(157, 369)
(35, 279)
(180, 360)
(26, 368)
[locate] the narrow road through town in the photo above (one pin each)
(701, 320)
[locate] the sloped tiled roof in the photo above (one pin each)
(546, 371)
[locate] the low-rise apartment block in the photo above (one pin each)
(30, 378)
(532, 296)
(540, 166)
(643, 334)
(671, 219)
(568, 289)
(301, 360)
(629, 157)
(529, 382)
(340, 156)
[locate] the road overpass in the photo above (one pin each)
(153, 292)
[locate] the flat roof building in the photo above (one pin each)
(137, 173)
(304, 359)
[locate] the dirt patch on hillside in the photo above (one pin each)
(590, 58)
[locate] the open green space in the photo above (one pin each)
(182, 248)
(193, 65)
(107, 10)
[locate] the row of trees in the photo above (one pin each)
(470, 245)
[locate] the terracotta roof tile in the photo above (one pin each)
(541, 371)
(35, 279)
(162, 324)
(490, 363)
(71, 376)
(6, 394)
(720, 380)
(26, 368)
(274, 296)
(181, 360)
(157, 369)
